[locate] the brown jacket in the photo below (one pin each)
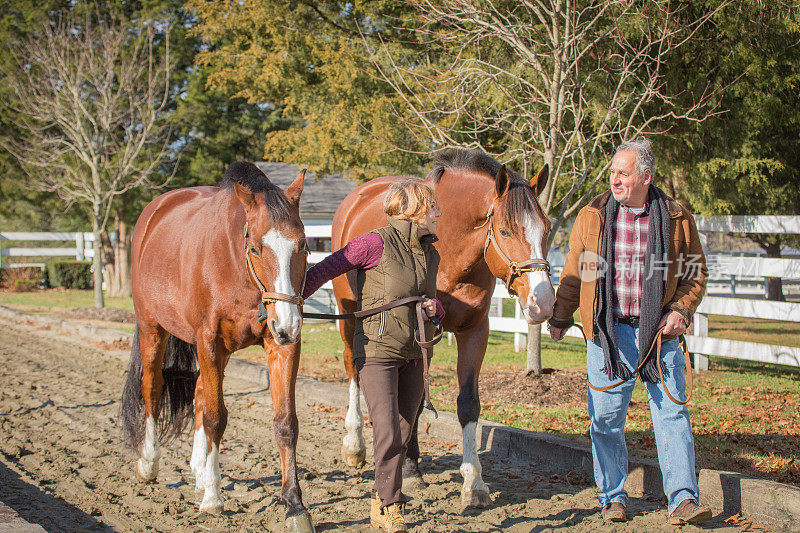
(687, 274)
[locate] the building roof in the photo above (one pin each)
(321, 196)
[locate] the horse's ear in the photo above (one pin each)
(245, 196)
(502, 181)
(296, 188)
(539, 181)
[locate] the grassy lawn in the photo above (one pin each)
(59, 298)
(745, 415)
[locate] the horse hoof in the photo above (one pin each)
(476, 498)
(412, 477)
(300, 523)
(413, 483)
(355, 460)
(145, 479)
(214, 509)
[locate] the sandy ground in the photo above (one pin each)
(63, 466)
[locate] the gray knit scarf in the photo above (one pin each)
(654, 285)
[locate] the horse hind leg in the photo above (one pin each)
(205, 455)
(354, 449)
(199, 447)
(412, 476)
(151, 344)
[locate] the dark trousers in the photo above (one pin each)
(393, 390)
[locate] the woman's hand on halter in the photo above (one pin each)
(430, 307)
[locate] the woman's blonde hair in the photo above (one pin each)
(409, 199)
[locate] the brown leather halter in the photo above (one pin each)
(268, 297)
(515, 269)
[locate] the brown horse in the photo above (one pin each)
(491, 227)
(204, 259)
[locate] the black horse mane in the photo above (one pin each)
(250, 176)
(521, 199)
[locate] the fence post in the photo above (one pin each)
(700, 330)
(520, 339)
(79, 246)
(534, 357)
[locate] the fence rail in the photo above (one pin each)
(82, 249)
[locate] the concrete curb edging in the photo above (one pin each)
(728, 492)
(12, 522)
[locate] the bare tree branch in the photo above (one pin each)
(90, 104)
(561, 81)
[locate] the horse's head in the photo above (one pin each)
(518, 254)
(276, 248)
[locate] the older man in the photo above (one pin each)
(635, 265)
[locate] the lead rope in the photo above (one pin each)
(420, 336)
(426, 347)
(655, 344)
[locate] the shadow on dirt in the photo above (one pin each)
(38, 507)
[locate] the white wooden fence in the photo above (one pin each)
(699, 343)
(721, 266)
(80, 251)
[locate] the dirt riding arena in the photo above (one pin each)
(62, 464)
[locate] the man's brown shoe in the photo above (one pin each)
(614, 512)
(688, 512)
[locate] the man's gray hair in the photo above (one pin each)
(645, 160)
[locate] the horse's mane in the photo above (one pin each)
(248, 175)
(521, 199)
(473, 160)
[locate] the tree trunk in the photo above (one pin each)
(123, 258)
(97, 261)
(534, 361)
(108, 263)
(774, 285)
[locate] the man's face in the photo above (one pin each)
(628, 186)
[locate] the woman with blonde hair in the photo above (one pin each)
(392, 262)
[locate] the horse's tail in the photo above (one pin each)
(177, 395)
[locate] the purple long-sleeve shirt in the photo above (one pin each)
(363, 253)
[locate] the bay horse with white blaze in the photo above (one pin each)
(491, 226)
(205, 260)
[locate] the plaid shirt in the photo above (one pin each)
(630, 247)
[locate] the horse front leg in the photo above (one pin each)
(354, 449)
(205, 455)
(283, 362)
(471, 350)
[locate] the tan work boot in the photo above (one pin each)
(395, 522)
(389, 519)
(375, 513)
(614, 512)
(688, 512)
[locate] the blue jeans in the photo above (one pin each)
(671, 425)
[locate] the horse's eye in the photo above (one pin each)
(254, 251)
(505, 233)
